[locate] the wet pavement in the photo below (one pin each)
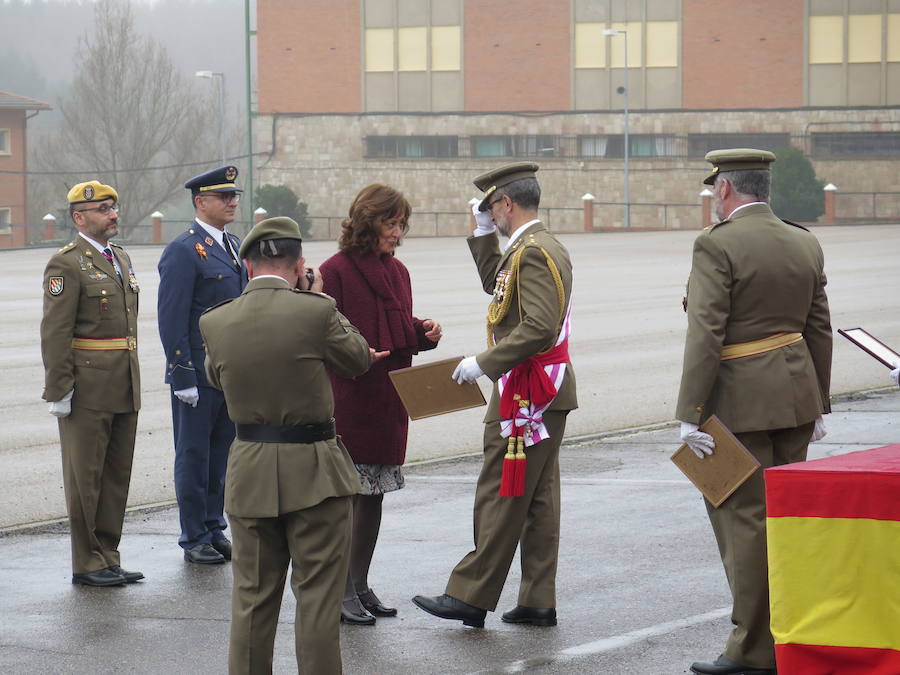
(640, 585)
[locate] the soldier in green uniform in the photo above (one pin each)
(757, 355)
(517, 501)
(92, 381)
(289, 478)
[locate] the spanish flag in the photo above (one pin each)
(833, 529)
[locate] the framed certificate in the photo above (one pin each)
(871, 345)
(428, 390)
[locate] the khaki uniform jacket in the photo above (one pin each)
(268, 351)
(754, 276)
(533, 322)
(84, 297)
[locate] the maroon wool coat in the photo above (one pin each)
(369, 415)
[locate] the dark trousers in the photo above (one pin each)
(203, 436)
(97, 451)
(503, 523)
(740, 528)
(316, 543)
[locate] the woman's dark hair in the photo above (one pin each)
(373, 205)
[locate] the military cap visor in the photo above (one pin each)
(91, 191)
(490, 181)
(217, 180)
(270, 228)
(736, 159)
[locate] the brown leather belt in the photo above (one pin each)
(105, 344)
(269, 433)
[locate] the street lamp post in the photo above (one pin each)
(624, 91)
(208, 74)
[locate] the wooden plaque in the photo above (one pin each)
(721, 473)
(428, 389)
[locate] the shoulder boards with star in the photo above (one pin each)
(710, 228)
(115, 245)
(67, 247)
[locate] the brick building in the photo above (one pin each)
(425, 94)
(14, 114)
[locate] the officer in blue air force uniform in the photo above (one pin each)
(198, 269)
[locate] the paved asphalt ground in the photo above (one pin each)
(641, 588)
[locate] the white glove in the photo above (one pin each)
(895, 373)
(62, 407)
(701, 443)
(190, 396)
(818, 430)
(467, 370)
(484, 223)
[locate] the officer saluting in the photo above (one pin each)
(198, 269)
(289, 478)
(92, 380)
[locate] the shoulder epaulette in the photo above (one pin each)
(788, 222)
(710, 228)
(67, 247)
(313, 293)
(217, 305)
(117, 245)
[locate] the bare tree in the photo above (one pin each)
(129, 112)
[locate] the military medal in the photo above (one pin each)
(200, 250)
(132, 280)
(209, 241)
(501, 284)
(104, 304)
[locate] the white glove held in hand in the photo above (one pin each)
(895, 373)
(818, 430)
(701, 443)
(467, 370)
(190, 396)
(484, 223)
(61, 408)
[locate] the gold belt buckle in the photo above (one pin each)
(132, 343)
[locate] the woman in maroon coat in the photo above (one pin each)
(372, 289)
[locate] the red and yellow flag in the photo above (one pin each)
(833, 528)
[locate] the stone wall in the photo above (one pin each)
(322, 158)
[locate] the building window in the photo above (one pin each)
(4, 142)
(413, 44)
(864, 38)
(5, 219)
(662, 44)
(517, 146)
(412, 146)
(856, 144)
(700, 144)
(379, 50)
(590, 45)
(826, 39)
(639, 145)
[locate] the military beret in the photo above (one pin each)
(737, 159)
(490, 181)
(217, 180)
(92, 191)
(270, 228)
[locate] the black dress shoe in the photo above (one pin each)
(130, 577)
(725, 666)
(373, 605)
(223, 546)
(203, 554)
(447, 607)
(536, 616)
(104, 577)
(357, 615)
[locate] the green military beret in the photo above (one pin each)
(91, 191)
(737, 159)
(490, 181)
(270, 228)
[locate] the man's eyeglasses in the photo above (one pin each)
(226, 197)
(103, 208)
(491, 204)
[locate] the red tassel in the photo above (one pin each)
(521, 463)
(508, 478)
